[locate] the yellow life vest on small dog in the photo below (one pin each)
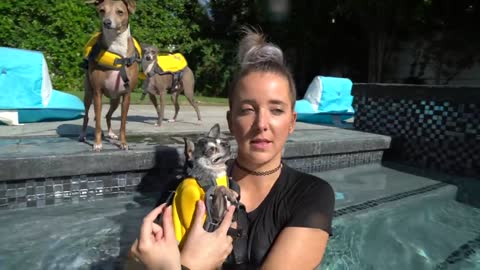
(168, 63)
(172, 62)
(184, 202)
(105, 58)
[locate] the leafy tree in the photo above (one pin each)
(447, 40)
(57, 28)
(383, 22)
(60, 30)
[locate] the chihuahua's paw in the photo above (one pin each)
(97, 147)
(112, 136)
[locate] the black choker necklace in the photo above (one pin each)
(256, 173)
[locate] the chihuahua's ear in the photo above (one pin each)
(131, 5)
(189, 148)
(214, 131)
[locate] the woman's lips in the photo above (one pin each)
(260, 144)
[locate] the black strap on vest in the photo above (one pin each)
(176, 76)
(210, 225)
(157, 70)
(127, 62)
(124, 61)
(239, 253)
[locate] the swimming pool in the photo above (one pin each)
(87, 235)
(396, 220)
(419, 234)
(385, 219)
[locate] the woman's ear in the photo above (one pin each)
(291, 128)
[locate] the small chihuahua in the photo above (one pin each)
(207, 180)
(206, 157)
(157, 83)
(206, 160)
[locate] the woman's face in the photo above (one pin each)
(261, 117)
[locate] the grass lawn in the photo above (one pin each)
(135, 99)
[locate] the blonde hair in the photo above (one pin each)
(256, 54)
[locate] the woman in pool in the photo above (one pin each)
(289, 212)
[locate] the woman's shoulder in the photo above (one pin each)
(311, 200)
(307, 181)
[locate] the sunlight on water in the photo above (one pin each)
(429, 233)
(90, 235)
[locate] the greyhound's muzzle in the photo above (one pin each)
(107, 23)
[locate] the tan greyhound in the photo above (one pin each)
(112, 68)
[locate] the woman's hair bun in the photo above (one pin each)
(254, 50)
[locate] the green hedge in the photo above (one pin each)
(61, 28)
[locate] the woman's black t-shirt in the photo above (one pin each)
(296, 200)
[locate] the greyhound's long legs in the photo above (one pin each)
(97, 102)
(113, 106)
(87, 101)
(163, 93)
(175, 104)
(153, 99)
(123, 124)
(194, 104)
(188, 84)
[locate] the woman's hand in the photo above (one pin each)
(157, 247)
(204, 250)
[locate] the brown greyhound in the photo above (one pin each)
(112, 68)
(157, 83)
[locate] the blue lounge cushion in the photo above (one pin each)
(25, 87)
(328, 100)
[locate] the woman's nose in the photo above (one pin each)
(262, 120)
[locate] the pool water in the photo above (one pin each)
(431, 232)
(384, 219)
(87, 235)
(389, 219)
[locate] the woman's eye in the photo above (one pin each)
(277, 111)
(246, 110)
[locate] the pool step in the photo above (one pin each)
(374, 183)
(390, 219)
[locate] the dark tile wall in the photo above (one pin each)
(337, 161)
(430, 128)
(49, 191)
(73, 189)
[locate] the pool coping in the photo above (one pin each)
(303, 143)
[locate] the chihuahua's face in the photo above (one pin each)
(209, 153)
(150, 53)
(114, 14)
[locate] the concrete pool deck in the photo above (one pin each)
(29, 151)
(141, 120)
